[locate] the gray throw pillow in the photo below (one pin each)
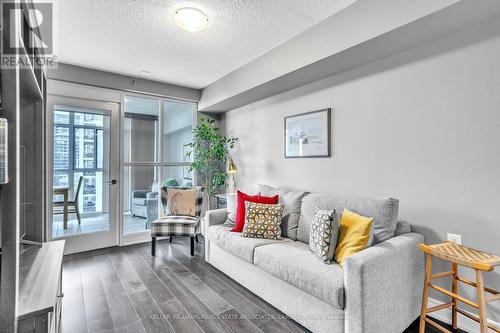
(292, 201)
(231, 203)
(323, 234)
(402, 227)
(383, 210)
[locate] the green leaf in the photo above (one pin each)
(210, 151)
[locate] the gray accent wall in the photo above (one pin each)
(421, 126)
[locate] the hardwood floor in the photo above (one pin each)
(429, 329)
(127, 290)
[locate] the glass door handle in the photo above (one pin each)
(112, 181)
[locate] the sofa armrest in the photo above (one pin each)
(212, 217)
(152, 195)
(216, 216)
(383, 285)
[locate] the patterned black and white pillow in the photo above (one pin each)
(323, 234)
(262, 220)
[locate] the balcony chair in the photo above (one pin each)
(71, 204)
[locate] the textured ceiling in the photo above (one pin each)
(130, 36)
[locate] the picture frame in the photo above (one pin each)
(308, 135)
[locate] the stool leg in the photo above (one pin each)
(423, 314)
(196, 238)
(192, 246)
(153, 245)
(171, 238)
(481, 302)
(454, 300)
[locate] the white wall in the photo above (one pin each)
(422, 126)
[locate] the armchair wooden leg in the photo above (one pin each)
(192, 246)
(454, 290)
(423, 314)
(153, 245)
(196, 238)
(483, 323)
(171, 238)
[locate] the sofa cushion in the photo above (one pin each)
(383, 210)
(292, 201)
(238, 246)
(294, 263)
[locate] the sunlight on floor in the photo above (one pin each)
(94, 224)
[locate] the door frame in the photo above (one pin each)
(100, 96)
(90, 241)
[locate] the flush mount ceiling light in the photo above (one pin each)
(191, 19)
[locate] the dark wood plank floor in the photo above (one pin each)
(127, 290)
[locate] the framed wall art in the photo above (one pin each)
(308, 134)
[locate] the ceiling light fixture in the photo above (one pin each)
(191, 19)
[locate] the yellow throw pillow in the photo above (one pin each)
(354, 233)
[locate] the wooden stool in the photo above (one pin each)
(464, 256)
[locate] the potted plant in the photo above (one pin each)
(210, 153)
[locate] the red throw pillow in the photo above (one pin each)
(240, 209)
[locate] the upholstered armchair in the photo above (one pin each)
(140, 200)
(151, 209)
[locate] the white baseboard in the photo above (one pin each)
(464, 323)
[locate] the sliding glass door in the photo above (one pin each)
(154, 135)
(84, 172)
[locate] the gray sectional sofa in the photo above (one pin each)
(378, 290)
